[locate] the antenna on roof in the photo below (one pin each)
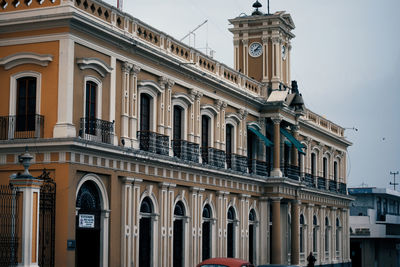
(119, 4)
(268, 7)
(394, 179)
(192, 33)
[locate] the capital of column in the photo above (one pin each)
(276, 40)
(296, 201)
(265, 39)
(295, 128)
(245, 42)
(242, 114)
(126, 67)
(163, 81)
(276, 119)
(135, 70)
(236, 42)
(276, 199)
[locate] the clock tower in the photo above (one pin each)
(262, 44)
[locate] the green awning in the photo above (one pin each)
(260, 135)
(293, 140)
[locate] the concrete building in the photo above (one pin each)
(375, 227)
(161, 155)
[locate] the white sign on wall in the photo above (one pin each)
(86, 220)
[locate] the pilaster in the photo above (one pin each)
(133, 106)
(276, 172)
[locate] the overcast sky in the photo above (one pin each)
(345, 57)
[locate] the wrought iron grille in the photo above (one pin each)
(258, 167)
(291, 171)
(96, 130)
(47, 215)
(212, 156)
(21, 127)
(321, 183)
(332, 186)
(9, 225)
(186, 150)
(309, 180)
(342, 188)
(154, 142)
(236, 162)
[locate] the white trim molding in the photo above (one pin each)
(95, 64)
(99, 96)
(17, 59)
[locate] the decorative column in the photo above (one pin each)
(222, 203)
(168, 108)
(126, 219)
(289, 47)
(197, 117)
(242, 141)
(236, 53)
(295, 217)
(217, 125)
(195, 225)
(113, 91)
(265, 59)
(30, 188)
(191, 120)
(276, 172)
(161, 105)
(275, 63)
(126, 68)
(245, 56)
(133, 107)
(136, 183)
(65, 126)
(264, 229)
(199, 252)
(222, 123)
(276, 255)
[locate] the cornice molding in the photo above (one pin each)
(17, 59)
(95, 64)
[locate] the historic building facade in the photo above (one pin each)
(161, 155)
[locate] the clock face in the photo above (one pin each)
(255, 50)
(283, 52)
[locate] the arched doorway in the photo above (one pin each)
(179, 213)
(145, 233)
(206, 230)
(88, 225)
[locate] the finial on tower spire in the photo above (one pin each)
(257, 5)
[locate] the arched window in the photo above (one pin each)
(337, 236)
(327, 239)
(145, 233)
(301, 232)
(205, 137)
(145, 112)
(178, 243)
(179, 149)
(325, 167)
(206, 231)
(231, 233)
(252, 236)
(90, 107)
(229, 144)
(26, 104)
(315, 234)
(335, 171)
(313, 165)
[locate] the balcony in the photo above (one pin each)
(332, 186)
(96, 130)
(212, 156)
(154, 142)
(342, 188)
(236, 162)
(291, 171)
(309, 180)
(258, 167)
(186, 150)
(21, 127)
(321, 183)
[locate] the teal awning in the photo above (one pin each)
(293, 140)
(260, 135)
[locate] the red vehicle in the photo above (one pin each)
(225, 262)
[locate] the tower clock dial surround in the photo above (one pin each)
(255, 49)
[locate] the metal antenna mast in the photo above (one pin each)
(268, 7)
(119, 4)
(394, 179)
(192, 33)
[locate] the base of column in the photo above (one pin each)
(276, 173)
(62, 130)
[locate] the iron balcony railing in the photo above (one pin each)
(236, 162)
(321, 183)
(309, 180)
(154, 142)
(291, 171)
(21, 127)
(96, 130)
(212, 156)
(333, 186)
(186, 150)
(342, 188)
(258, 167)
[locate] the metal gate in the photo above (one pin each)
(9, 225)
(47, 215)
